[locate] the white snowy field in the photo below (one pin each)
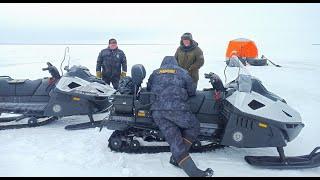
(52, 151)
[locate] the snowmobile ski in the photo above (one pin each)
(8, 119)
(85, 125)
(311, 160)
(32, 122)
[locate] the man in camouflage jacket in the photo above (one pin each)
(172, 86)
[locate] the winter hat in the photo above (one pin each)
(186, 36)
(112, 40)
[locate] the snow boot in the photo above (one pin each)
(192, 170)
(173, 161)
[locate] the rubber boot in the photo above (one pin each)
(172, 159)
(192, 170)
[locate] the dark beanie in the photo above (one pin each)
(187, 36)
(112, 40)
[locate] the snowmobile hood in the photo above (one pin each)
(169, 60)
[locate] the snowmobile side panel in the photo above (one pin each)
(242, 130)
(66, 105)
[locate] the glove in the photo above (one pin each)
(123, 74)
(98, 74)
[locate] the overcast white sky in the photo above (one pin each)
(268, 24)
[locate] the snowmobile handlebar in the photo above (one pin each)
(215, 81)
(52, 70)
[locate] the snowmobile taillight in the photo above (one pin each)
(51, 80)
(217, 95)
(141, 113)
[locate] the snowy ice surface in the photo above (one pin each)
(52, 151)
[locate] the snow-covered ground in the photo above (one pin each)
(52, 151)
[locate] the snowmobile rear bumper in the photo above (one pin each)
(311, 160)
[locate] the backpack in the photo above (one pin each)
(126, 85)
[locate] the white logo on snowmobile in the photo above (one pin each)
(237, 136)
(56, 108)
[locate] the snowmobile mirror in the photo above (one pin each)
(49, 64)
(234, 62)
(66, 68)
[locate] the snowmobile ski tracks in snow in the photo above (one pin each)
(32, 122)
(311, 160)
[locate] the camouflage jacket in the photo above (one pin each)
(172, 86)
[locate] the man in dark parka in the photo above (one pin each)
(190, 56)
(110, 60)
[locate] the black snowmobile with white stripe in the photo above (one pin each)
(241, 113)
(42, 101)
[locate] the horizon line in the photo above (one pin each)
(85, 44)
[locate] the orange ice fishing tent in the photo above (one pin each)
(246, 50)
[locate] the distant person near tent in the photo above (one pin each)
(190, 56)
(110, 60)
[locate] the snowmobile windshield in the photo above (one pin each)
(237, 76)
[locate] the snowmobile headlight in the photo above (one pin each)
(76, 98)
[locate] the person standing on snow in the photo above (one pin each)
(190, 56)
(110, 60)
(172, 86)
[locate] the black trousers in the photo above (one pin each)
(113, 80)
(180, 129)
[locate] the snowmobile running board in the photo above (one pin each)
(311, 160)
(32, 122)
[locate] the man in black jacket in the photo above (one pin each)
(110, 60)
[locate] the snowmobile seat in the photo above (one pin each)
(6, 89)
(28, 87)
(18, 87)
(16, 81)
(196, 102)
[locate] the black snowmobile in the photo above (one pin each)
(243, 114)
(42, 101)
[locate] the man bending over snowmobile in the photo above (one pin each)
(171, 112)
